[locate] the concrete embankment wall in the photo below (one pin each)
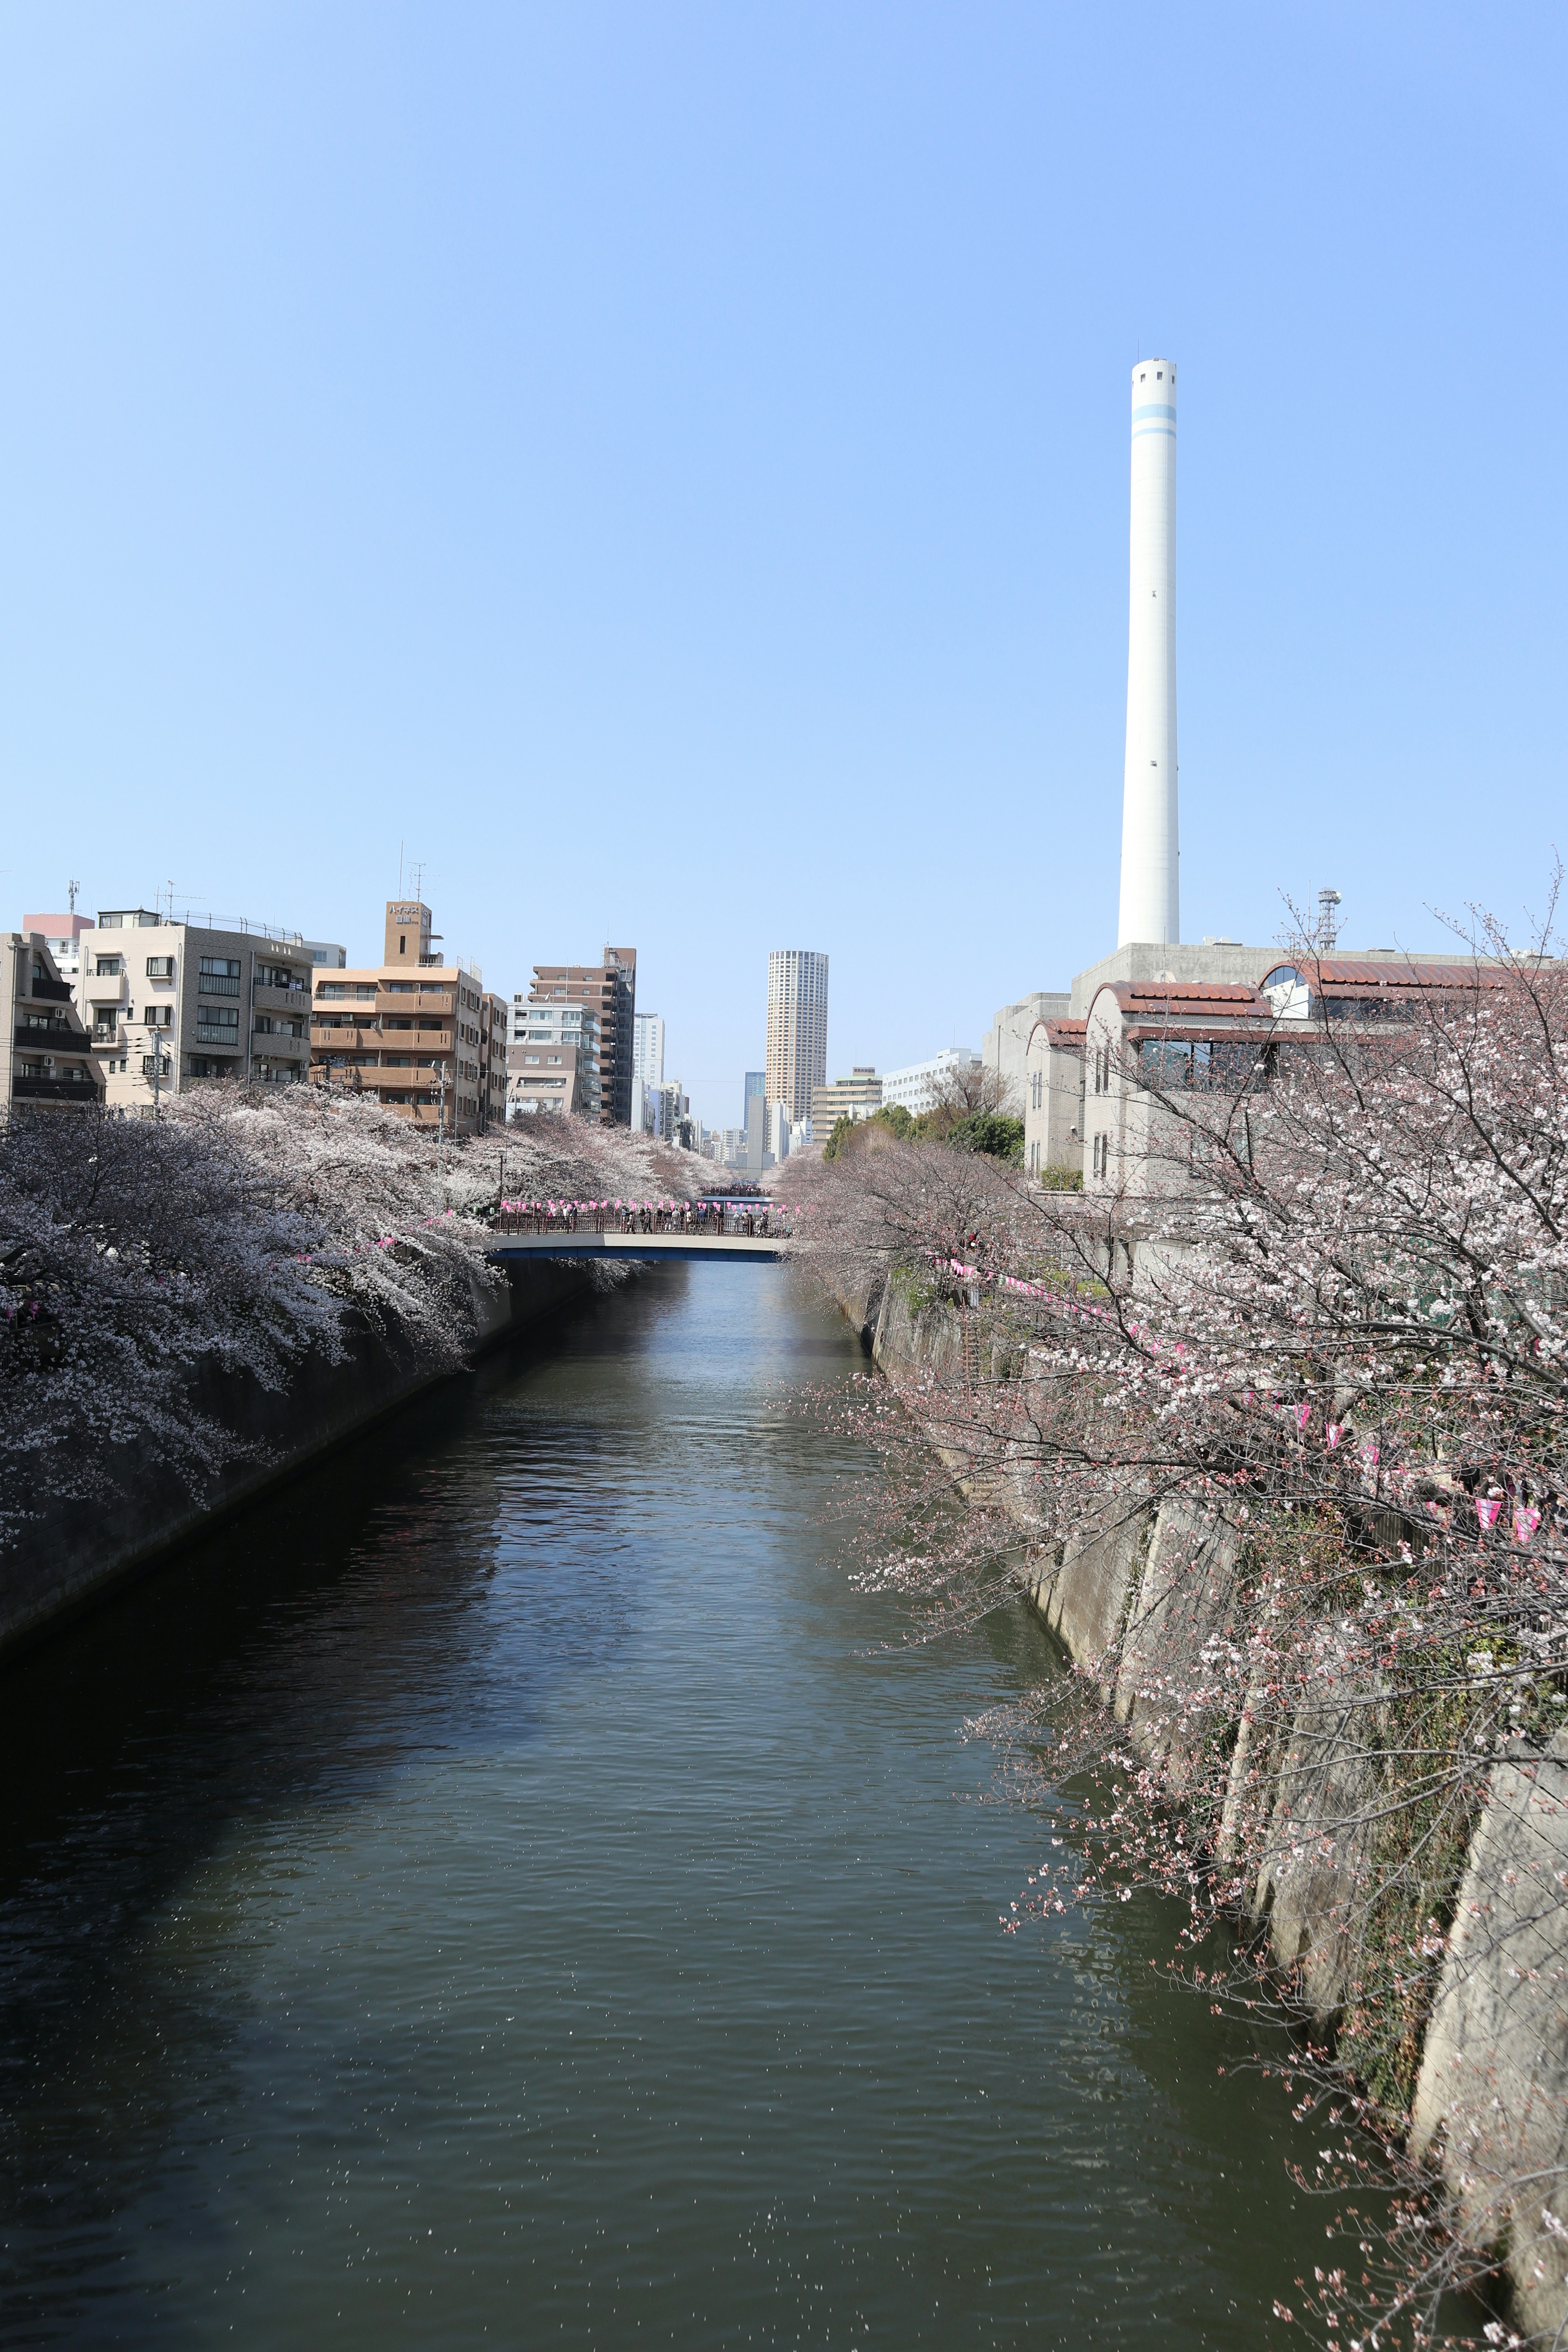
(77, 1550)
(1145, 1593)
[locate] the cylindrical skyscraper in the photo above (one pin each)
(1150, 897)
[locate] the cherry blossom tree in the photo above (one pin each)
(1298, 1381)
(241, 1233)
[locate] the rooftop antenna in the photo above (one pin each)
(420, 881)
(71, 889)
(1328, 921)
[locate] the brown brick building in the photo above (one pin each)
(418, 1032)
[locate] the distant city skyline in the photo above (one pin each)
(699, 483)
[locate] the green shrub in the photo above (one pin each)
(989, 1131)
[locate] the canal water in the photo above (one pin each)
(503, 1892)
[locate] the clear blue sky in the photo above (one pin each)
(666, 465)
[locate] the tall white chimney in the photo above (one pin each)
(1151, 895)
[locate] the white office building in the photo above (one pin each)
(647, 1048)
(921, 1085)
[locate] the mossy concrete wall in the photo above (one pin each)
(79, 1550)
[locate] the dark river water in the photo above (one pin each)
(499, 1892)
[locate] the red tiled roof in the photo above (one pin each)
(1355, 973)
(1174, 992)
(1188, 999)
(1067, 1032)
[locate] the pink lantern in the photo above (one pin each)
(1526, 1520)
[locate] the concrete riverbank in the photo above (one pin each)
(1486, 2090)
(79, 1550)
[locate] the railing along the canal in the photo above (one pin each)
(697, 1220)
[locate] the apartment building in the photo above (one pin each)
(49, 1062)
(609, 989)
(492, 1060)
(422, 1035)
(178, 1003)
(546, 1078)
(552, 1063)
(855, 1096)
(62, 935)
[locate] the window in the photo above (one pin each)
(165, 1068)
(218, 976)
(160, 967)
(217, 1025)
(158, 1016)
(107, 967)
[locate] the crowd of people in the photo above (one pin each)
(708, 1219)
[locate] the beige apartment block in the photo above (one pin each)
(175, 1004)
(49, 1062)
(855, 1096)
(492, 1057)
(417, 1033)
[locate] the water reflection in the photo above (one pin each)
(498, 1888)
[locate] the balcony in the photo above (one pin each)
(437, 1000)
(276, 1045)
(294, 1001)
(51, 1041)
(25, 1088)
(104, 988)
(363, 1038)
(52, 992)
(227, 1040)
(217, 984)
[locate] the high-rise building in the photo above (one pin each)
(798, 1027)
(647, 1048)
(610, 989)
(756, 1090)
(424, 1036)
(1150, 909)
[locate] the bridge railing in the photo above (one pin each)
(697, 1220)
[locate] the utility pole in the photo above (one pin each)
(441, 1126)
